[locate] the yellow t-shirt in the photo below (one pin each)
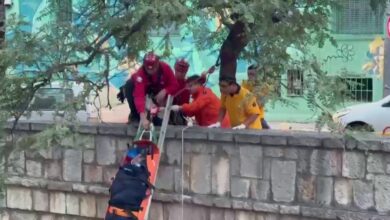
(240, 106)
(245, 84)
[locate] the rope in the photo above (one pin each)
(182, 166)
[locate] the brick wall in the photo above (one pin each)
(244, 175)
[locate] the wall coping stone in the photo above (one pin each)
(263, 138)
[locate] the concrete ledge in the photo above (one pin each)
(264, 137)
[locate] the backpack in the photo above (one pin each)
(131, 183)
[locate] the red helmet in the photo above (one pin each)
(182, 65)
(151, 60)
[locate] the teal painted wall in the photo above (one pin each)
(202, 60)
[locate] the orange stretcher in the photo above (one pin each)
(152, 161)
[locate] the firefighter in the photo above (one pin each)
(205, 105)
(154, 78)
(239, 104)
(249, 85)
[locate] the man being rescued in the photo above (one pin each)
(205, 105)
(239, 104)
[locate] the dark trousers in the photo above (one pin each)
(128, 89)
(264, 124)
(115, 217)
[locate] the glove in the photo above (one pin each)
(175, 108)
(215, 125)
(120, 96)
(239, 127)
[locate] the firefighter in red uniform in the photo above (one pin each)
(154, 78)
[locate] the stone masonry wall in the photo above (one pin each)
(245, 175)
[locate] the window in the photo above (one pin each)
(47, 99)
(357, 17)
(295, 82)
(360, 89)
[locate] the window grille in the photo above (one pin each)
(295, 82)
(360, 89)
(357, 17)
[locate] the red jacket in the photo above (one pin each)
(205, 107)
(144, 84)
(184, 96)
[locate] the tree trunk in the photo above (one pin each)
(231, 49)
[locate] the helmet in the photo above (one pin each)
(151, 60)
(182, 65)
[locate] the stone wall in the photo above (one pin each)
(245, 175)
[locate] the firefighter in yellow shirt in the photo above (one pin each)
(239, 104)
(249, 85)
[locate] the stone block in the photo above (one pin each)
(291, 153)
(304, 161)
(53, 170)
(266, 168)
(229, 215)
(57, 203)
(112, 129)
(93, 174)
(324, 191)
(47, 217)
(325, 163)
(173, 151)
(165, 178)
(220, 183)
(89, 156)
(318, 213)
(363, 194)
(375, 163)
(40, 200)
(388, 168)
(343, 192)
(16, 162)
(242, 215)
(59, 186)
(299, 140)
(19, 198)
(199, 147)
(105, 150)
(221, 136)
(242, 205)
(174, 212)
(101, 204)
(156, 211)
(217, 214)
(247, 138)
(186, 180)
(108, 174)
(34, 168)
(71, 165)
(240, 187)
(306, 189)
(283, 175)
(260, 190)
(234, 166)
(271, 140)
(221, 202)
(334, 142)
(80, 188)
(194, 133)
(382, 194)
(273, 151)
(289, 210)
(266, 207)
(201, 174)
(88, 206)
(98, 190)
(202, 200)
(72, 204)
(23, 216)
(251, 162)
(354, 165)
